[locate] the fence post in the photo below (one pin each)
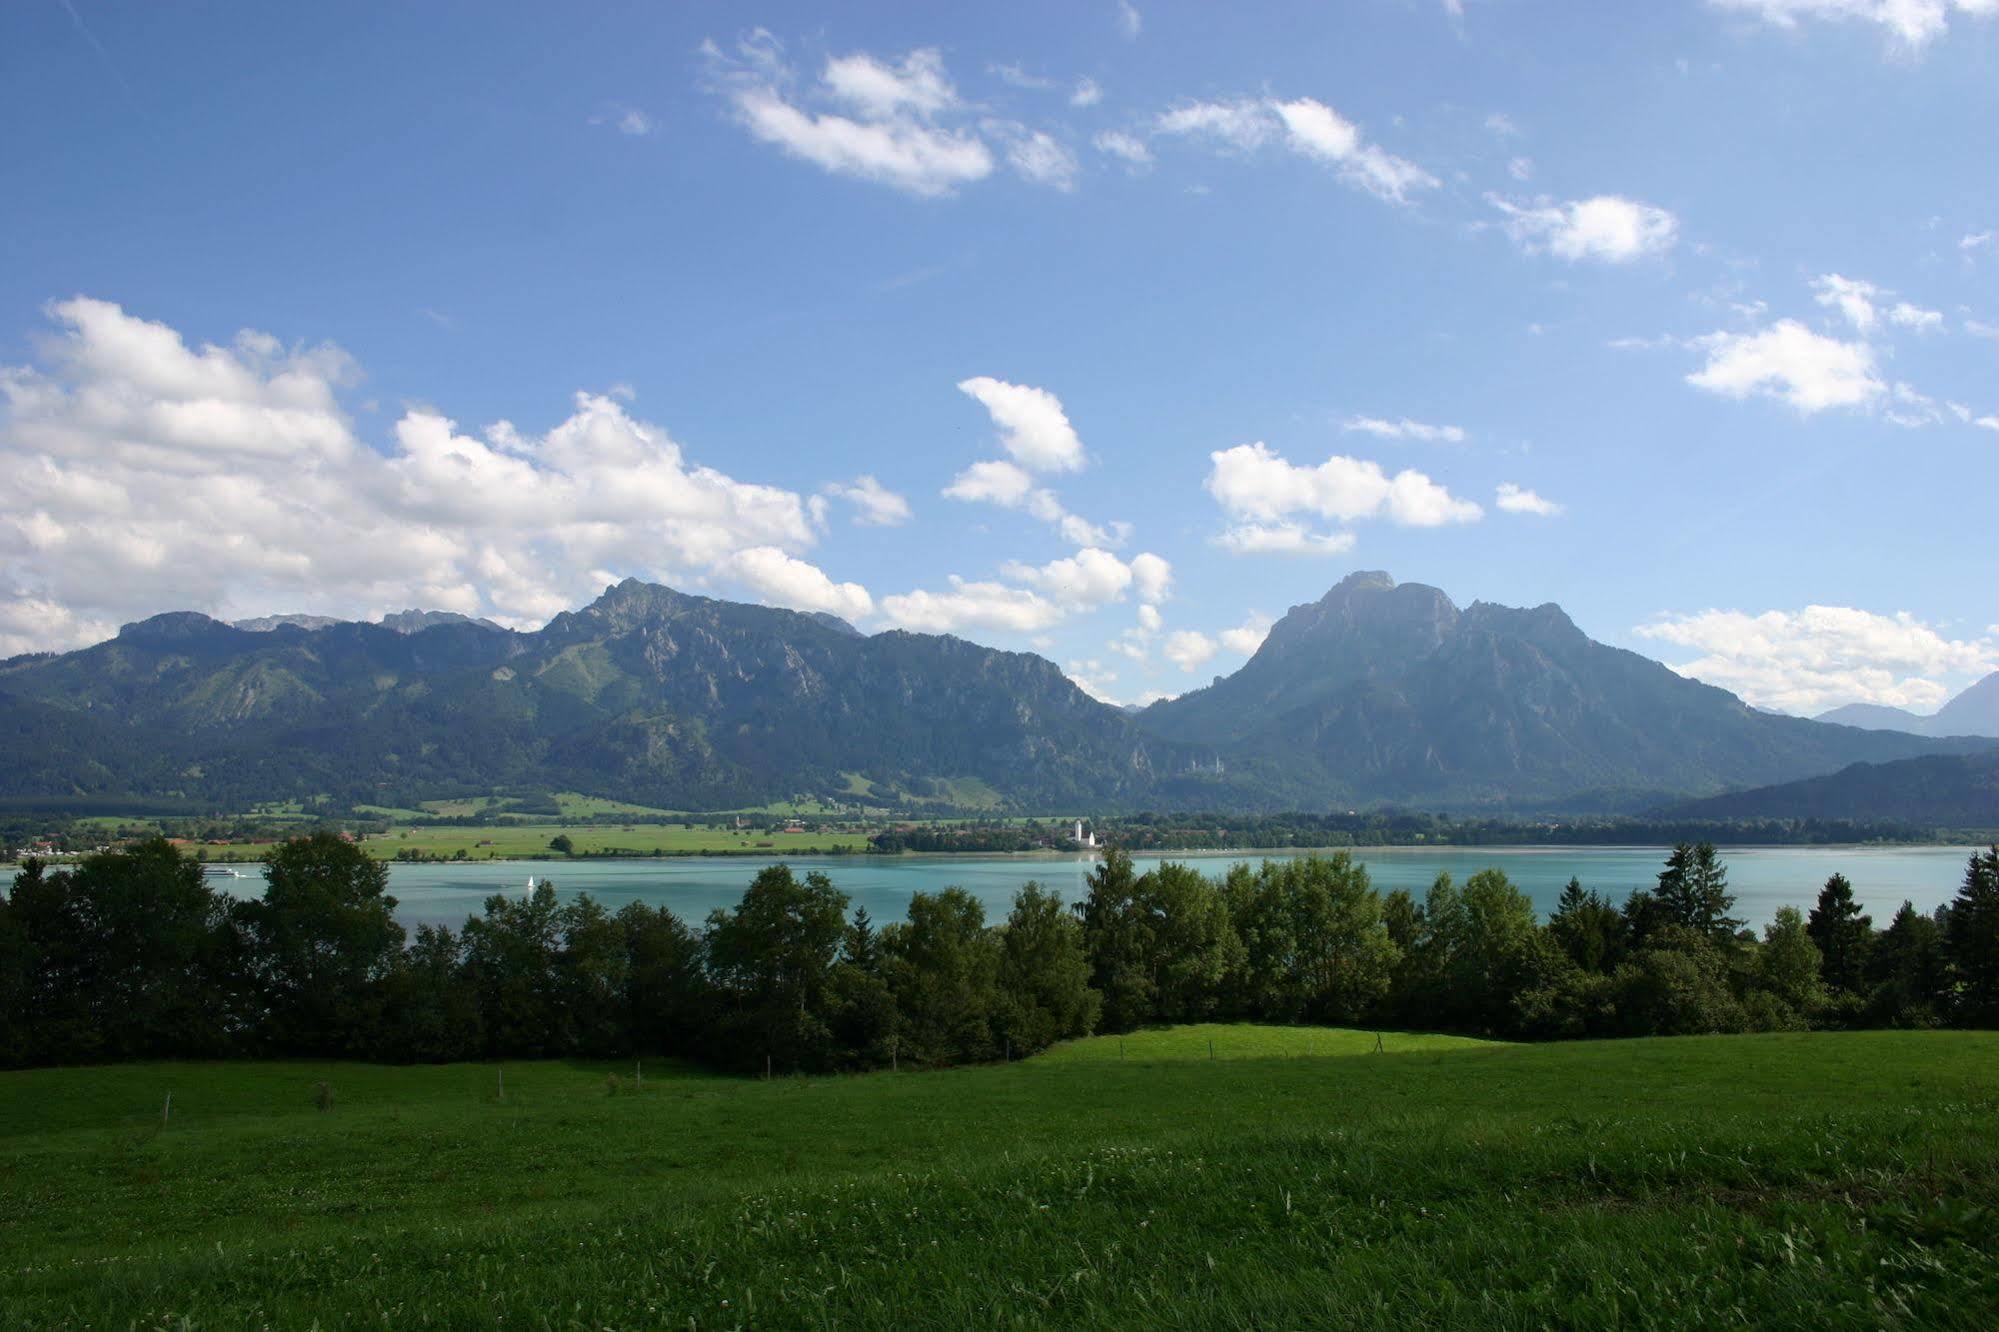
(167, 1110)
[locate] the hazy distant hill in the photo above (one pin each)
(1973, 712)
(1377, 692)
(1946, 790)
(1390, 691)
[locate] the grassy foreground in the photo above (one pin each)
(1810, 1180)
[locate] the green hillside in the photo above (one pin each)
(1822, 1180)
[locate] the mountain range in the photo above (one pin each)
(1973, 712)
(1379, 692)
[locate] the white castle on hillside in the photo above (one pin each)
(1083, 838)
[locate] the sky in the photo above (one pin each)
(1107, 331)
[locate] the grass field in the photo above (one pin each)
(1813, 1180)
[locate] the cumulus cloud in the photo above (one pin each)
(1405, 429)
(1853, 298)
(105, 442)
(1248, 636)
(1032, 425)
(1516, 499)
(1153, 577)
(785, 580)
(1913, 24)
(1282, 539)
(972, 605)
(1606, 229)
(1306, 127)
(885, 120)
(1906, 315)
(1189, 649)
(1082, 581)
(1822, 656)
(1262, 490)
(875, 505)
(1087, 93)
(1035, 430)
(1788, 361)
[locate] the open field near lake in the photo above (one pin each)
(1824, 1180)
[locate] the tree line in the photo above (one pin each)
(133, 954)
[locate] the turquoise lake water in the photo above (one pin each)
(1763, 878)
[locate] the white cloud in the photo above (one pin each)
(1130, 21)
(103, 444)
(1282, 539)
(1976, 240)
(1020, 78)
(875, 504)
(784, 580)
(1988, 422)
(1808, 370)
(1316, 130)
(1094, 679)
(1307, 127)
(1405, 429)
(1501, 125)
(1606, 228)
(1853, 298)
(1912, 23)
(1905, 315)
(1154, 578)
(1087, 93)
(972, 605)
(1248, 636)
(1254, 484)
(1035, 155)
(1823, 656)
(992, 482)
(1083, 581)
(891, 134)
(1521, 169)
(1149, 619)
(1515, 499)
(1032, 425)
(1189, 649)
(1128, 148)
(1909, 408)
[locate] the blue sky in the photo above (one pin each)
(1143, 323)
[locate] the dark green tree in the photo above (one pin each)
(1844, 936)
(1693, 890)
(1910, 968)
(947, 986)
(511, 960)
(1591, 932)
(562, 845)
(322, 941)
(1119, 935)
(772, 957)
(1314, 947)
(669, 1008)
(1971, 942)
(1044, 974)
(1788, 966)
(432, 1009)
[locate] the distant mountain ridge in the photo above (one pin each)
(1940, 790)
(1390, 691)
(1973, 712)
(1378, 692)
(403, 622)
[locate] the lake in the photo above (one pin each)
(1763, 878)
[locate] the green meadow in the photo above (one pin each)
(1295, 1177)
